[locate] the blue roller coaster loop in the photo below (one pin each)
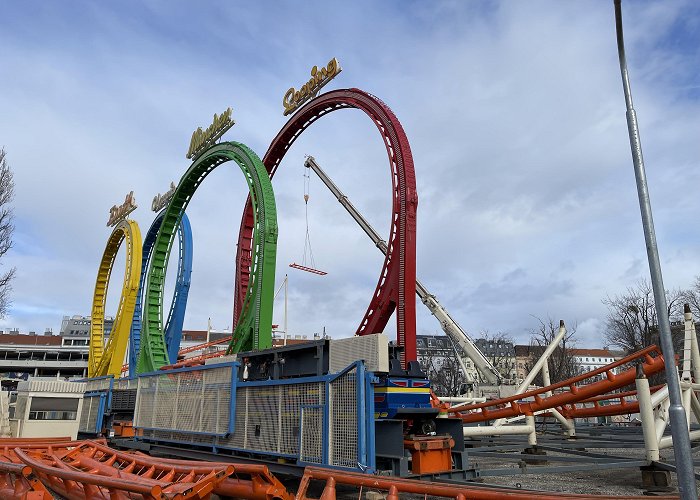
(176, 316)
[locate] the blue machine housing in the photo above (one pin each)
(403, 394)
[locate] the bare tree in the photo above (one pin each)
(632, 323)
(561, 363)
(692, 297)
(7, 192)
(450, 378)
(498, 348)
(444, 372)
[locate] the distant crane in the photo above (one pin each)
(448, 324)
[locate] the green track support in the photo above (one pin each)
(254, 327)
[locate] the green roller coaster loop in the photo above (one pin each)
(254, 327)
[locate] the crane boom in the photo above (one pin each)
(448, 324)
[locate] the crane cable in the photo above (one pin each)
(307, 240)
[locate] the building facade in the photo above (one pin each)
(501, 354)
(592, 359)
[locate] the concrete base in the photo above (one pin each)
(534, 450)
(655, 481)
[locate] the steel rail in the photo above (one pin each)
(394, 486)
(190, 349)
(58, 476)
(494, 409)
(254, 328)
(17, 482)
(107, 359)
(194, 360)
(175, 478)
(178, 305)
(395, 288)
(260, 485)
(91, 467)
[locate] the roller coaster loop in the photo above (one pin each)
(107, 359)
(254, 327)
(176, 316)
(396, 287)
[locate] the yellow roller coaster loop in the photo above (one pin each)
(108, 359)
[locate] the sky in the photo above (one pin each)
(514, 111)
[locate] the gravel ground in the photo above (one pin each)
(606, 482)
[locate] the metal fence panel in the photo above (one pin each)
(343, 409)
(90, 414)
(316, 420)
(191, 401)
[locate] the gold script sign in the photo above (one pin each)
(202, 139)
(161, 200)
(117, 213)
(319, 77)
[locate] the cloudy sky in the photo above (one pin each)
(514, 112)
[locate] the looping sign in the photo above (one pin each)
(117, 213)
(161, 200)
(201, 139)
(319, 77)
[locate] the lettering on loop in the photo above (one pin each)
(160, 201)
(294, 98)
(117, 213)
(202, 139)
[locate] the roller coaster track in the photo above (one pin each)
(395, 289)
(573, 392)
(254, 327)
(392, 488)
(176, 316)
(107, 359)
(622, 407)
(90, 470)
(194, 348)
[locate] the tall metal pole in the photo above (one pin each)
(679, 423)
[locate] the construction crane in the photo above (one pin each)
(448, 324)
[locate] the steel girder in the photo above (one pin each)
(107, 359)
(254, 327)
(396, 288)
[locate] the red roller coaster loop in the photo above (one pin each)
(397, 281)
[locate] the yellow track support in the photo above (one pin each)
(108, 359)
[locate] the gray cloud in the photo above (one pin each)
(514, 112)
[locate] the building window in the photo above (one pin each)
(43, 408)
(52, 415)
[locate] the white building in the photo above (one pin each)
(592, 359)
(46, 408)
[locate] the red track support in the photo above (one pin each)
(396, 288)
